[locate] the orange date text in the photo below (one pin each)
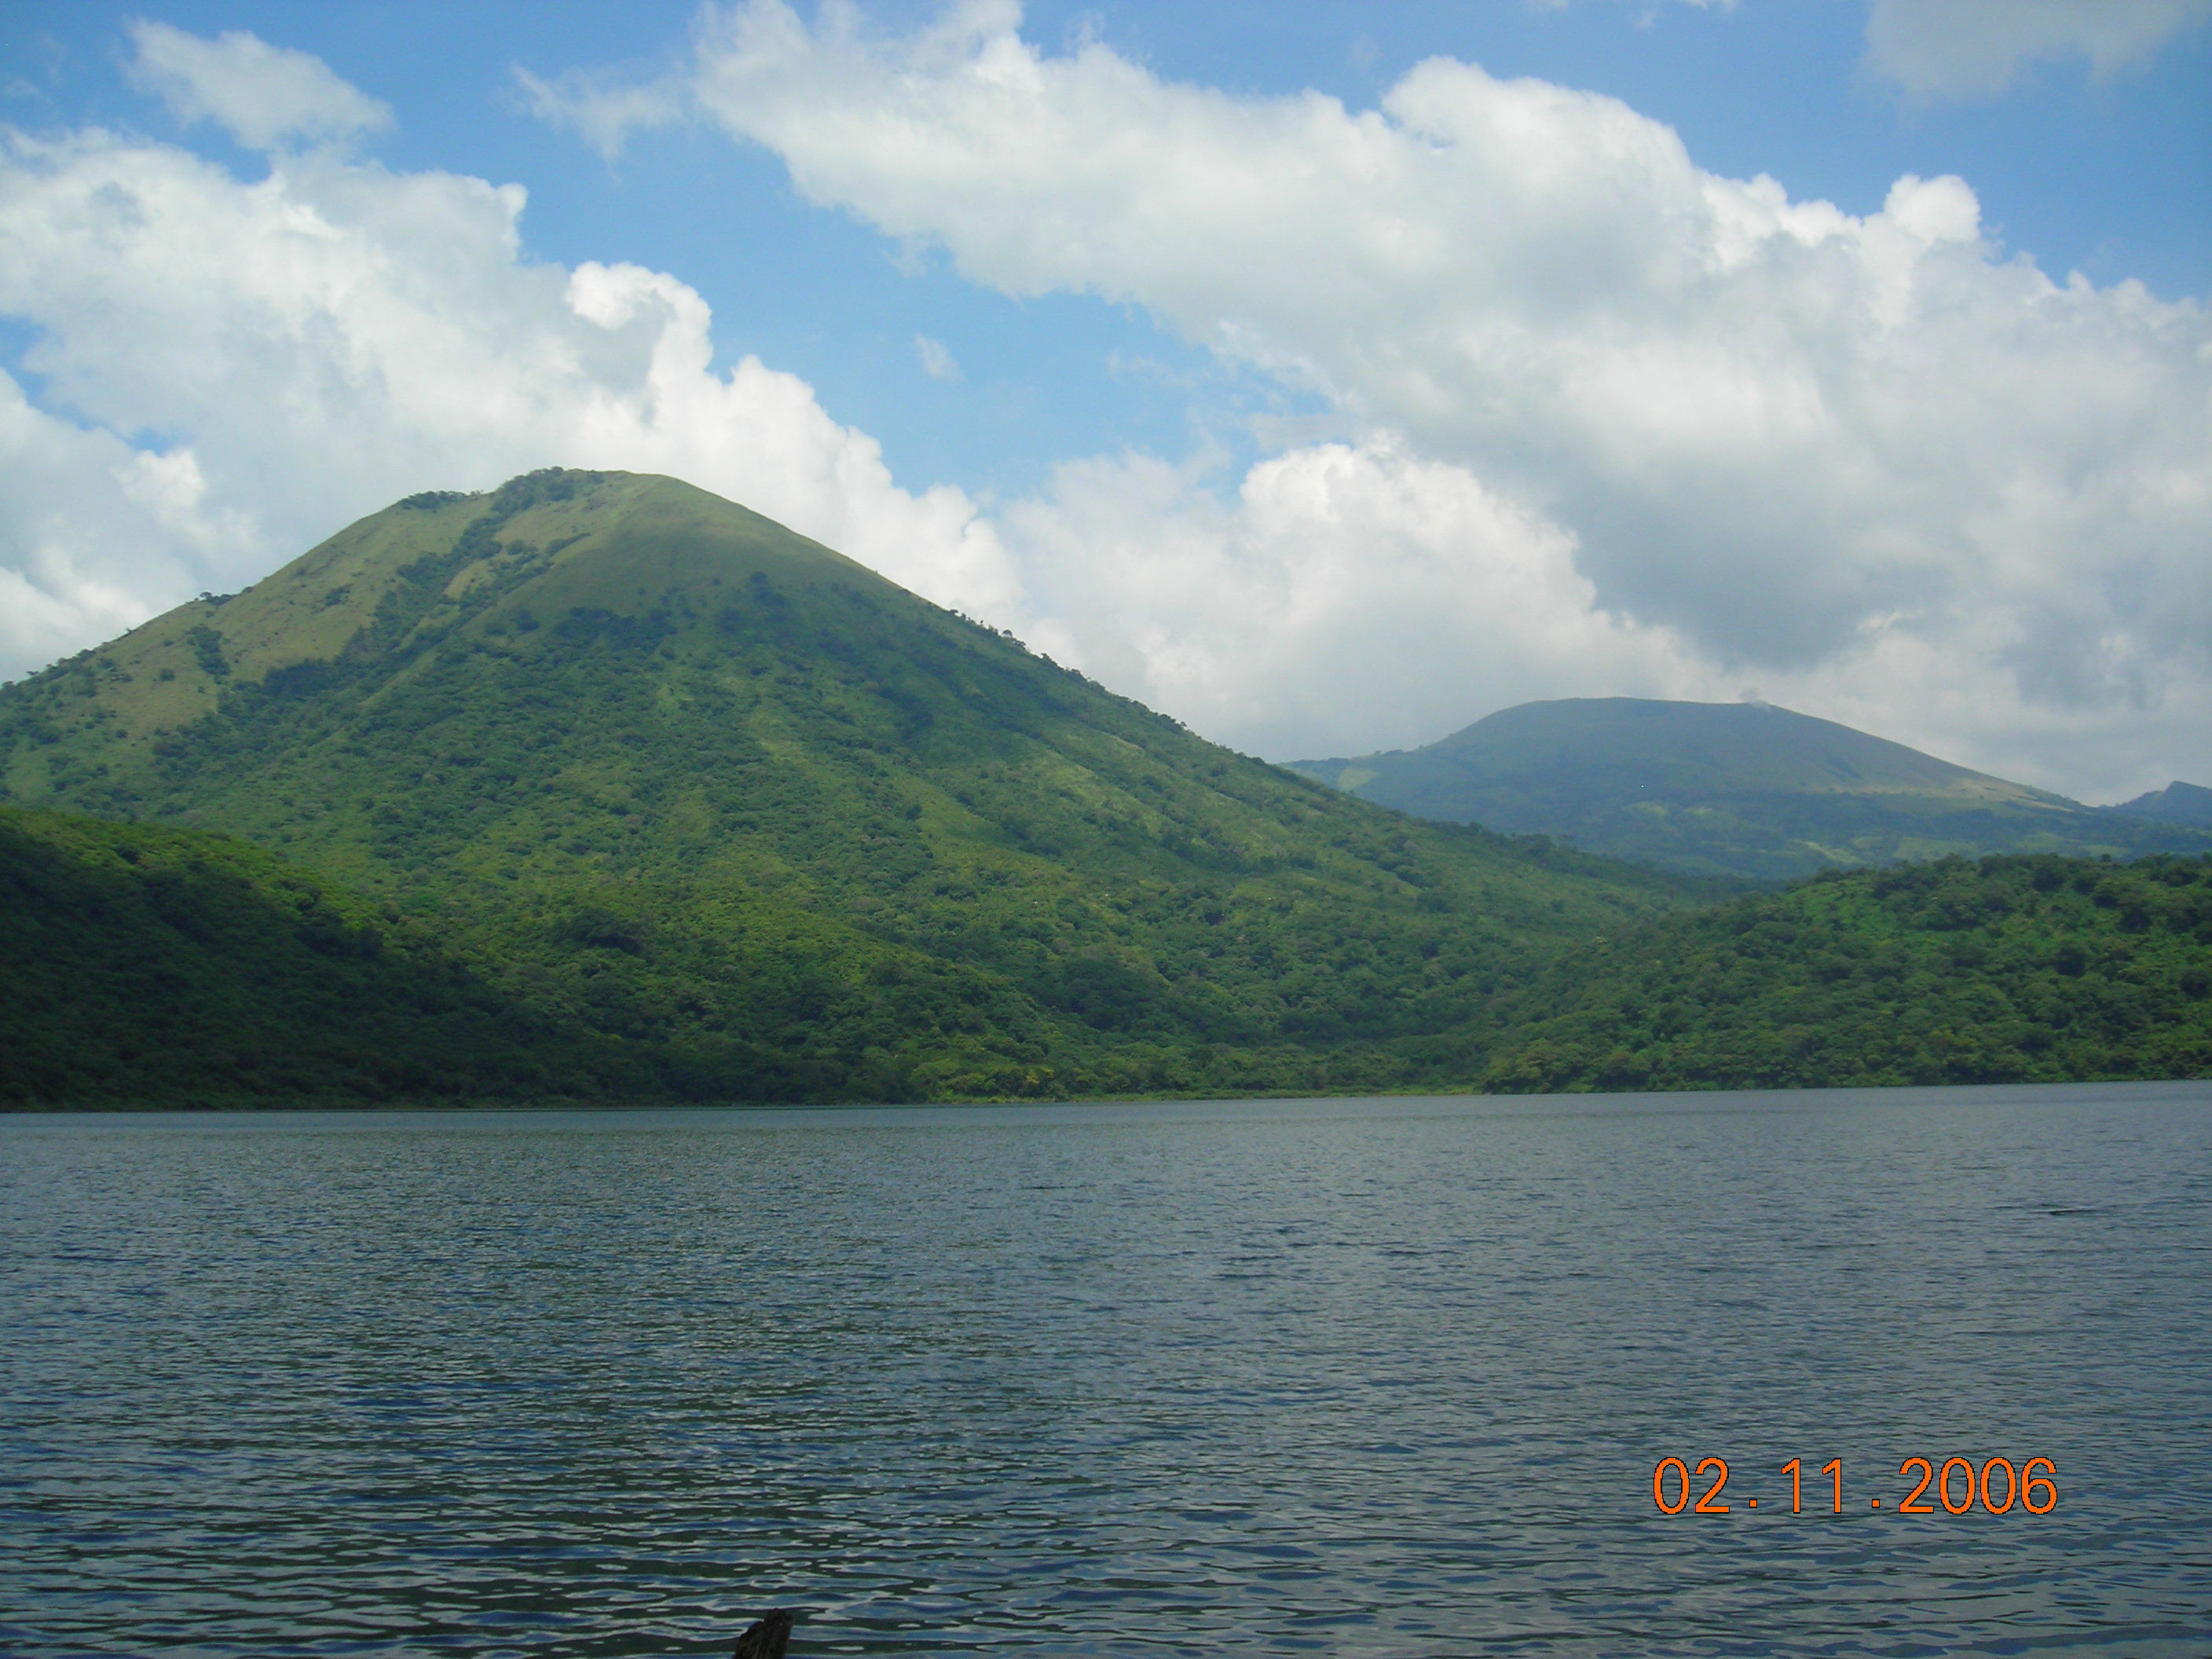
(1957, 1485)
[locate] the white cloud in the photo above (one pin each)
(1625, 426)
(337, 336)
(1348, 598)
(603, 109)
(266, 97)
(1789, 439)
(936, 359)
(74, 545)
(333, 337)
(1976, 48)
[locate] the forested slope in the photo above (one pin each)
(139, 963)
(143, 964)
(2010, 970)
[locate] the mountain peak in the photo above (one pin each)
(2177, 802)
(443, 561)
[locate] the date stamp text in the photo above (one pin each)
(1957, 1486)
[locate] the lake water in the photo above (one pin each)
(1343, 1377)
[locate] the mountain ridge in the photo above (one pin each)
(2177, 802)
(1743, 789)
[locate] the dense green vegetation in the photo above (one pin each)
(145, 962)
(2012, 969)
(1742, 789)
(664, 773)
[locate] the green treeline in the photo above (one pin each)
(140, 964)
(143, 963)
(2013, 969)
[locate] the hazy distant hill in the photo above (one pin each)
(668, 776)
(1741, 789)
(2177, 802)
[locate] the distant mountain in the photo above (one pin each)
(661, 775)
(2177, 802)
(1733, 789)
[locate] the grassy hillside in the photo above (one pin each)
(2010, 970)
(1742, 789)
(670, 776)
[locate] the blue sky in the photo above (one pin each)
(1218, 479)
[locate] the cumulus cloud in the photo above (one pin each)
(1616, 425)
(1351, 596)
(335, 336)
(75, 533)
(265, 96)
(1789, 437)
(1976, 48)
(1348, 597)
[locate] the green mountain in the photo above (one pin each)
(679, 784)
(1732, 789)
(2014, 969)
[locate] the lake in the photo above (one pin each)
(1336, 1377)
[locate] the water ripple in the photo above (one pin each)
(1354, 1378)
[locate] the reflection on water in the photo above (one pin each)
(1339, 1377)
